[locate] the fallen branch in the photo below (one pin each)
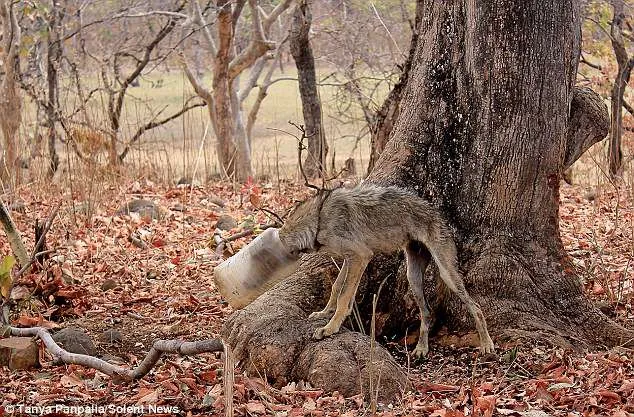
(121, 374)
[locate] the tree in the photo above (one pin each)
(625, 64)
(11, 101)
(489, 120)
(220, 27)
(315, 162)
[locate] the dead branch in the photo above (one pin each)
(37, 249)
(583, 60)
(154, 124)
(222, 242)
(300, 149)
(159, 348)
(628, 107)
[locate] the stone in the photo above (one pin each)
(108, 285)
(144, 208)
(19, 353)
(111, 336)
(75, 341)
(184, 181)
(226, 222)
(216, 201)
(178, 207)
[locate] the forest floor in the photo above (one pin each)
(99, 281)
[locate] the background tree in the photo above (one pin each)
(11, 100)
(625, 63)
(220, 27)
(472, 124)
(302, 52)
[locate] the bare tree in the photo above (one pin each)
(302, 52)
(219, 28)
(11, 100)
(625, 63)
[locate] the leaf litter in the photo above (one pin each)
(99, 280)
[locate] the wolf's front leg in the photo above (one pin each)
(356, 267)
(329, 310)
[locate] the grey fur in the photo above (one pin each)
(355, 224)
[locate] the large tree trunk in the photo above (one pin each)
(489, 120)
(315, 162)
(11, 101)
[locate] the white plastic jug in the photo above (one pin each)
(257, 267)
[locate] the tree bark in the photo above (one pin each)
(489, 119)
(624, 69)
(315, 162)
(53, 56)
(11, 100)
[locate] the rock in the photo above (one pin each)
(75, 341)
(187, 182)
(112, 359)
(108, 285)
(216, 201)
(184, 181)
(111, 336)
(226, 222)
(18, 353)
(178, 207)
(144, 208)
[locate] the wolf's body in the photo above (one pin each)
(360, 222)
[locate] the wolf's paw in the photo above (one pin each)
(420, 351)
(323, 314)
(486, 346)
(325, 331)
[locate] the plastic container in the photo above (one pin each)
(257, 267)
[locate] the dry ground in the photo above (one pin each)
(167, 291)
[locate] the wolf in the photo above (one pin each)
(356, 223)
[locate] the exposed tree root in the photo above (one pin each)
(118, 373)
(273, 336)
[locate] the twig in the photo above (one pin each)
(374, 389)
(158, 349)
(137, 242)
(229, 364)
(279, 222)
(300, 148)
(36, 253)
(589, 63)
(221, 242)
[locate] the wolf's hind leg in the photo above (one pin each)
(417, 261)
(443, 251)
(330, 308)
